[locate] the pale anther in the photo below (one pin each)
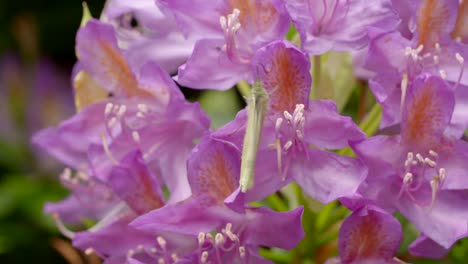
(136, 136)
(287, 145)
(89, 251)
(459, 58)
(430, 162)
(161, 242)
(279, 121)
(242, 251)
(201, 238)
(204, 257)
(443, 75)
(219, 239)
(108, 108)
(433, 153)
(288, 116)
(408, 178)
(143, 108)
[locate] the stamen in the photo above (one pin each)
(408, 179)
(299, 134)
(143, 108)
(112, 122)
(461, 61)
(442, 174)
(420, 158)
(279, 121)
(433, 153)
(106, 220)
(108, 108)
(130, 253)
(161, 242)
(242, 252)
(204, 257)
(443, 75)
(430, 162)
(437, 47)
(161, 261)
(201, 238)
(219, 239)
(107, 151)
(89, 251)
(404, 87)
(288, 116)
(174, 257)
(121, 111)
(287, 145)
(62, 228)
(136, 136)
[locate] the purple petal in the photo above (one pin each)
(327, 176)
(214, 169)
(325, 128)
(134, 183)
(70, 141)
(435, 20)
(339, 25)
(434, 223)
(209, 67)
(195, 18)
(427, 111)
(268, 235)
(369, 235)
(97, 50)
(154, 37)
(426, 247)
(114, 240)
(285, 73)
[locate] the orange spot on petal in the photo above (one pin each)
(432, 19)
(461, 26)
(119, 71)
(287, 81)
(216, 177)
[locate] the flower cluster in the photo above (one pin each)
(161, 186)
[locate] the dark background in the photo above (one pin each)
(31, 31)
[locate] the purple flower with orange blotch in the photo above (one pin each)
(146, 112)
(421, 172)
(398, 57)
(292, 125)
(369, 235)
(226, 230)
(230, 32)
(145, 34)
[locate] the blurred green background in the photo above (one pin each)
(36, 58)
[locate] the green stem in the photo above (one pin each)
(276, 203)
(244, 89)
(316, 72)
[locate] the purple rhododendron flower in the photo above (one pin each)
(230, 32)
(146, 34)
(368, 235)
(421, 172)
(398, 57)
(217, 205)
(146, 107)
(336, 25)
(292, 124)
